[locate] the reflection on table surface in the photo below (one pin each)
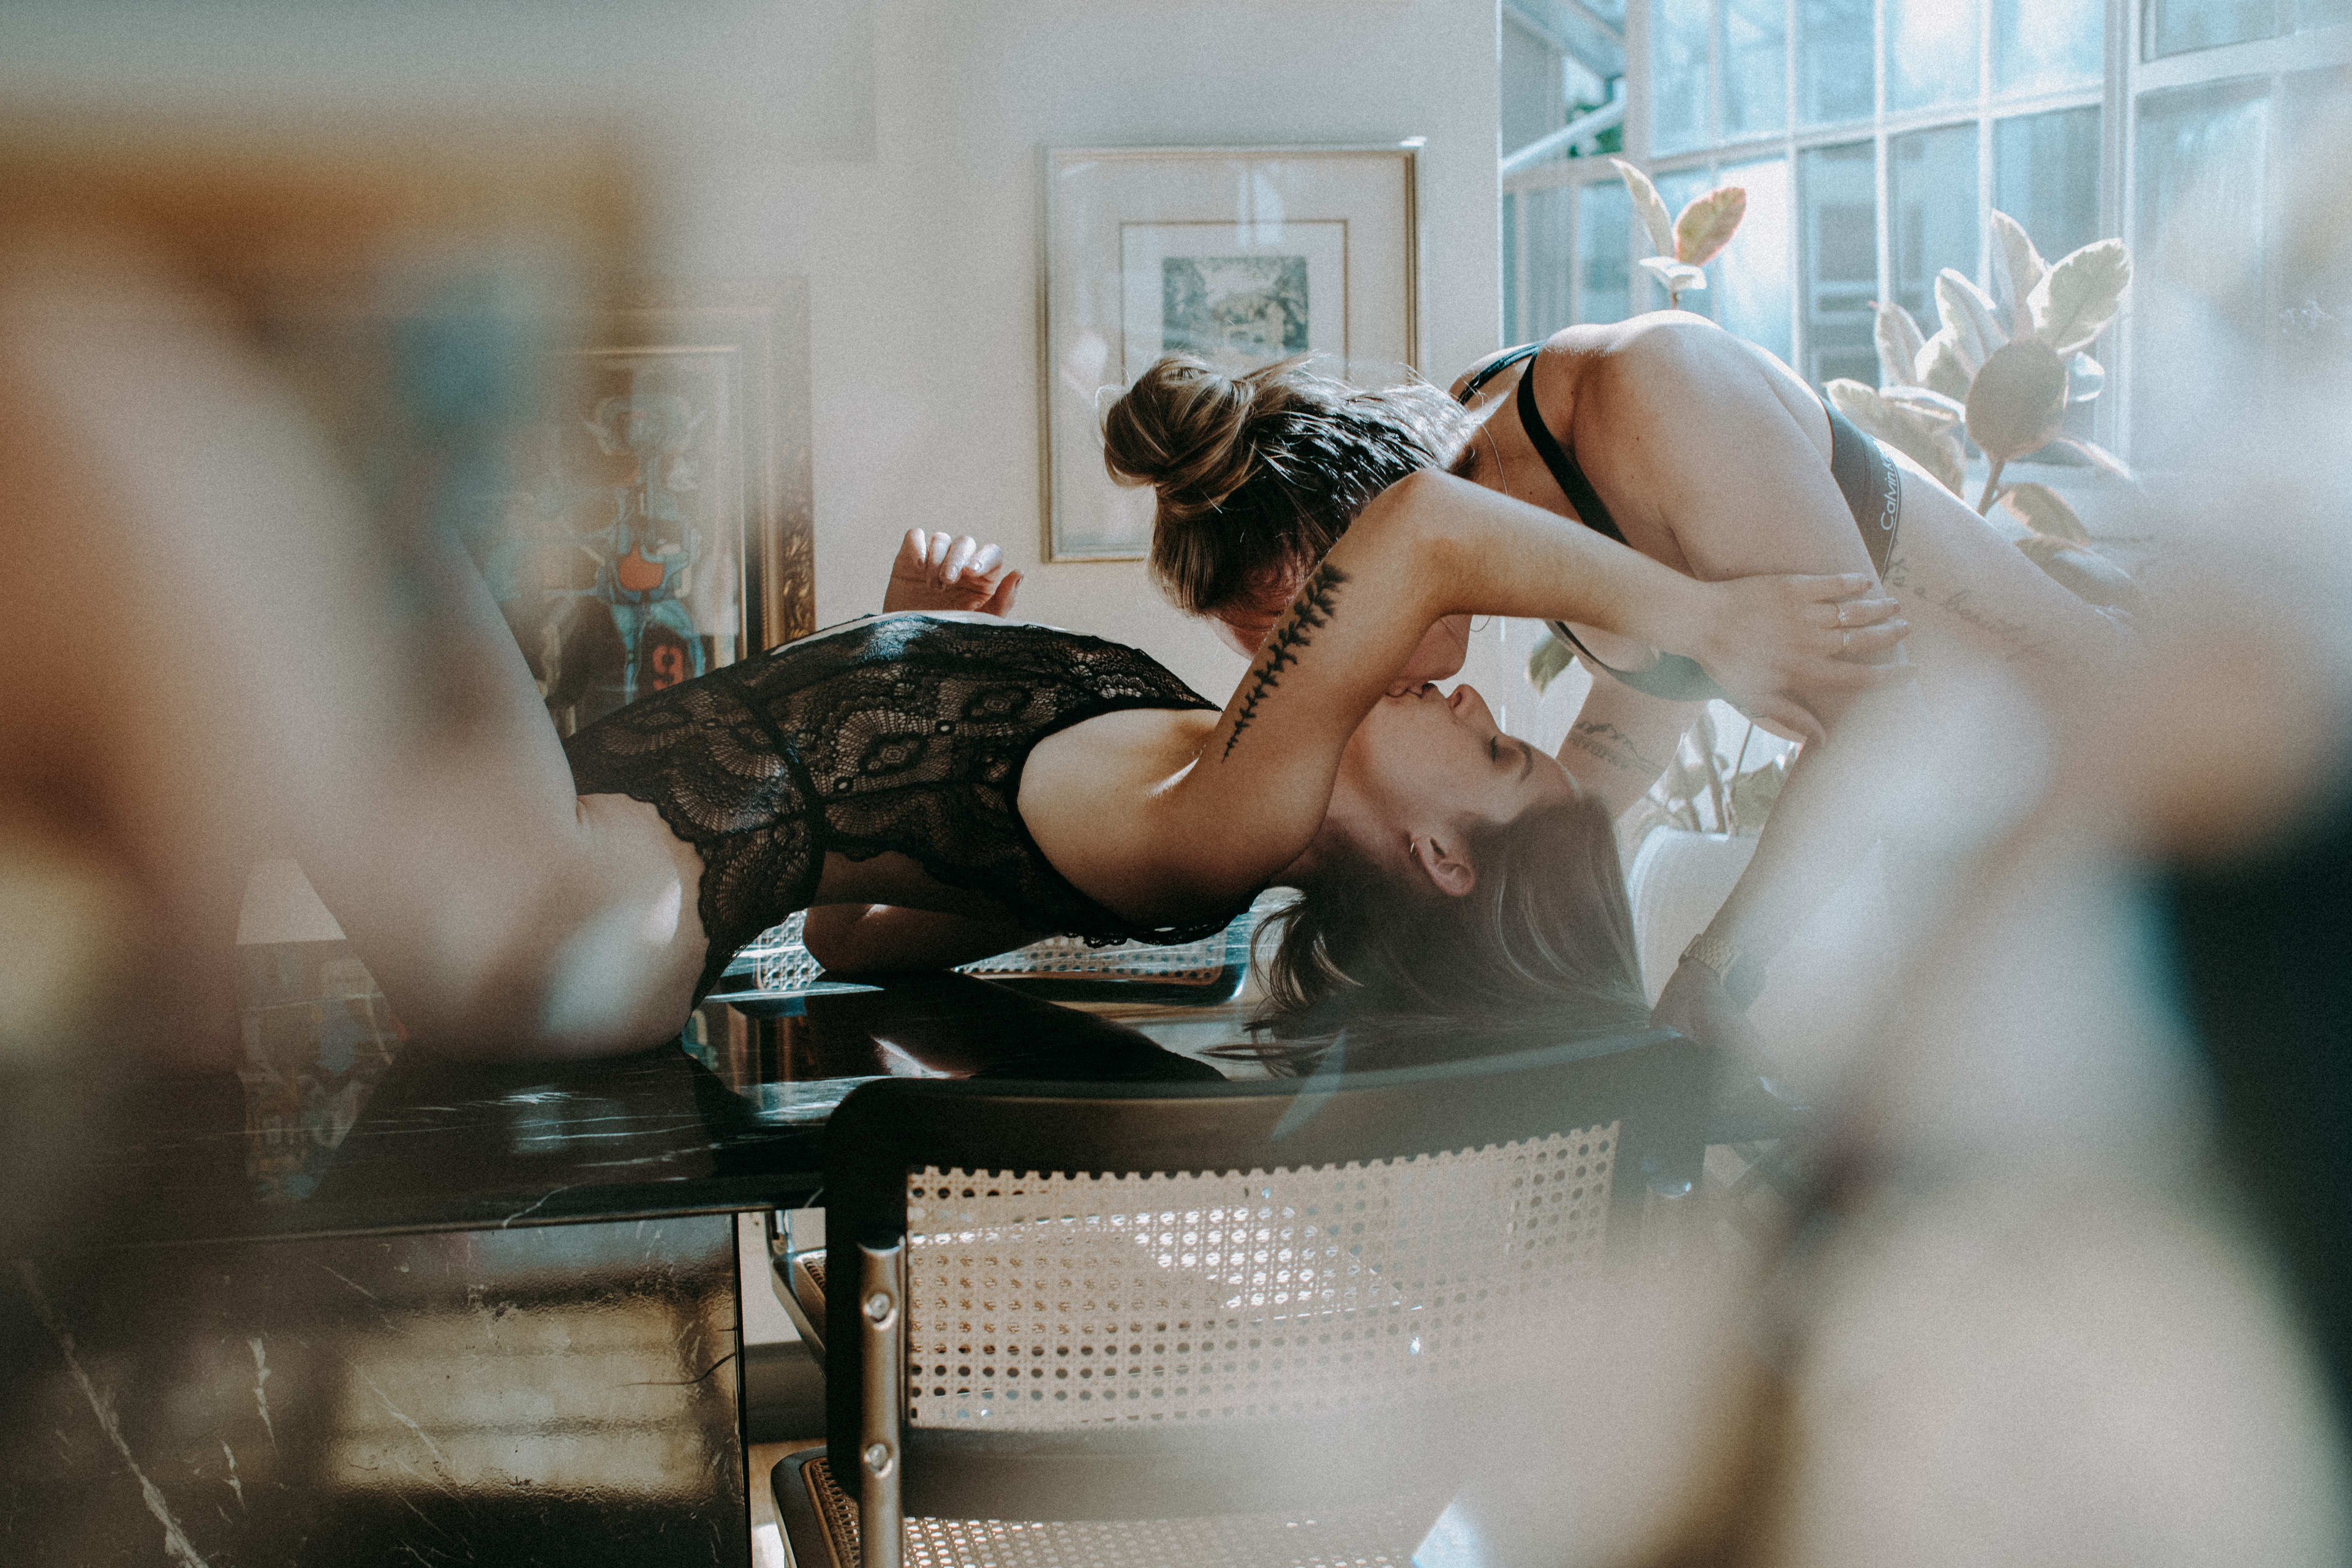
(337, 1124)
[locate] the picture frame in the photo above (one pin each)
(1242, 255)
(660, 523)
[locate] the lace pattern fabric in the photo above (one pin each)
(902, 734)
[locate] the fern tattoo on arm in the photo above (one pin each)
(1310, 612)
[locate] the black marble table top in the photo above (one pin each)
(342, 1135)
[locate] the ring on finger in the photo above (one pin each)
(1841, 612)
(1845, 642)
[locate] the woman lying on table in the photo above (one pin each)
(1703, 453)
(961, 782)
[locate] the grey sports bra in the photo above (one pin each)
(1872, 487)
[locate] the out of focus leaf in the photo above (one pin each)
(1678, 277)
(1968, 311)
(1904, 429)
(2075, 301)
(1949, 465)
(2044, 510)
(1753, 793)
(1650, 206)
(2098, 457)
(1940, 412)
(1900, 341)
(1939, 367)
(2088, 575)
(2018, 401)
(2086, 378)
(1707, 226)
(2017, 266)
(1549, 662)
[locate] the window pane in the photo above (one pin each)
(2045, 175)
(1515, 277)
(1755, 56)
(1534, 101)
(1838, 219)
(2197, 299)
(1676, 189)
(2311, 13)
(2039, 44)
(1544, 303)
(1833, 79)
(1603, 216)
(1677, 75)
(1751, 282)
(1931, 53)
(2314, 300)
(1931, 184)
(2176, 27)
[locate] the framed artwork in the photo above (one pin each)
(1240, 256)
(659, 524)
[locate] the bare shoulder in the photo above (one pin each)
(1665, 356)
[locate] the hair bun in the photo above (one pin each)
(1183, 429)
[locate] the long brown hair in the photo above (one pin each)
(1540, 949)
(1257, 476)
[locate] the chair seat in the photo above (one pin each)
(820, 1521)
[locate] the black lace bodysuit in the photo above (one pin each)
(900, 735)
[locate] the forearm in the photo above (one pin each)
(874, 938)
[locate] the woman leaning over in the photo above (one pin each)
(1681, 442)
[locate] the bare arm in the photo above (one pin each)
(1621, 741)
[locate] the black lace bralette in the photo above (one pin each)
(900, 735)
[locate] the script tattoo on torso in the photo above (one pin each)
(1310, 612)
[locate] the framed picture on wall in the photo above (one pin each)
(659, 525)
(1240, 256)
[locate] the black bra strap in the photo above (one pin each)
(1496, 366)
(1564, 468)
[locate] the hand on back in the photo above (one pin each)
(937, 572)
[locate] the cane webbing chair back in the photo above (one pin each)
(1115, 1301)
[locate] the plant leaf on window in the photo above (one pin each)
(1707, 226)
(2085, 573)
(2074, 303)
(2018, 401)
(1968, 313)
(1652, 208)
(1678, 277)
(1549, 662)
(1900, 341)
(2017, 267)
(1941, 412)
(2045, 512)
(1939, 367)
(2098, 457)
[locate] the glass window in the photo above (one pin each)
(2311, 13)
(1604, 215)
(1838, 228)
(1533, 102)
(1751, 281)
(2176, 27)
(1546, 307)
(2040, 46)
(1755, 55)
(2197, 252)
(1833, 72)
(1677, 75)
(1515, 277)
(1931, 188)
(1931, 53)
(2045, 175)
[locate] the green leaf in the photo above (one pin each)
(1707, 226)
(1912, 434)
(1549, 662)
(1650, 206)
(2098, 457)
(2017, 266)
(1900, 341)
(2086, 378)
(2085, 573)
(1940, 368)
(1968, 313)
(1940, 412)
(2044, 510)
(2080, 295)
(2018, 401)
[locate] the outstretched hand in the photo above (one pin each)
(936, 572)
(1782, 646)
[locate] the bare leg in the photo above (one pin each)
(262, 674)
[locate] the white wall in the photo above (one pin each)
(887, 150)
(923, 263)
